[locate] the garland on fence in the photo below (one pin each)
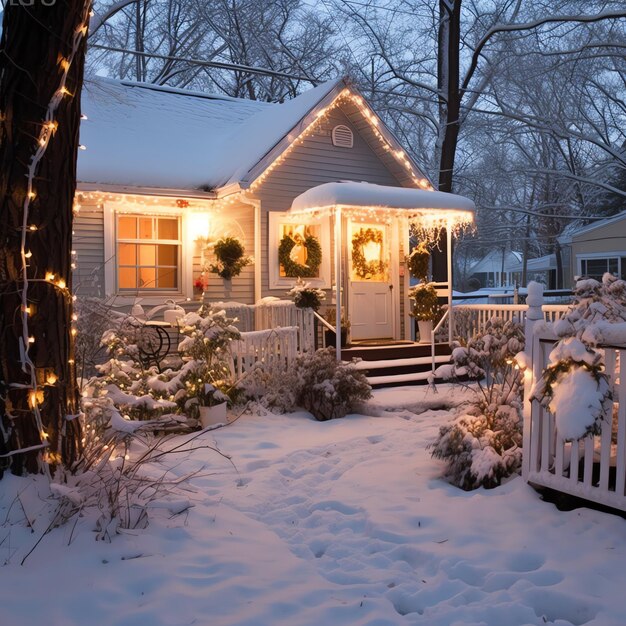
(292, 268)
(360, 265)
(572, 359)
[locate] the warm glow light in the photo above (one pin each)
(198, 225)
(371, 251)
(61, 283)
(31, 340)
(51, 378)
(49, 276)
(28, 254)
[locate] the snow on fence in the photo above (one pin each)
(276, 348)
(469, 319)
(284, 313)
(593, 467)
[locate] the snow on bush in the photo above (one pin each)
(305, 296)
(328, 388)
(484, 446)
(574, 386)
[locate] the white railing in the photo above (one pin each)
(469, 319)
(284, 313)
(276, 348)
(594, 467)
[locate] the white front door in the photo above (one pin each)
(370, 305)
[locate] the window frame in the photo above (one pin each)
(613, 255)
(113, 210)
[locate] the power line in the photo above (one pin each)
(224, 66)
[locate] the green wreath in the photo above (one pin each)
(361, 267)
(313, 257)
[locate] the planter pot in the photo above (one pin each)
(213, 415)
(425, 330)
(330, 338)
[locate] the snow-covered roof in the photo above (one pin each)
(492, 262)
(141, 135)
(540, 264)
(367, 195)
(571, 233)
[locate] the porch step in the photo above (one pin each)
(388, 366)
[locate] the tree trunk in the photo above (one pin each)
(448, 69)
(41, 73)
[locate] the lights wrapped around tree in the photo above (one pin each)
(292, 268)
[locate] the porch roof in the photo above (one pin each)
(369, 199)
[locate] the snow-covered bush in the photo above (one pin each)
(328, 388)
(574, 386)
(484, 446)
(272, 387)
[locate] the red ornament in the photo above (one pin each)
(182, 204)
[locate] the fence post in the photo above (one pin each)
(534, 314)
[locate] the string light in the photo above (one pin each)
(48, 128)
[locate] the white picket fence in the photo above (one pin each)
(469, 319)
(276, 348)
(594, 467)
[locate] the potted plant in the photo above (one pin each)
(231, 258)
(304, 296)
(425, 308)
(212, 406)
(329, 335)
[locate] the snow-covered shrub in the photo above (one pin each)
(574, 386)
(305, 296)
(272, 387)
(484, 446)
(328, 388)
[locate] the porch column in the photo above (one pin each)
(449, 254)
(338, 282)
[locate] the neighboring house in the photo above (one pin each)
(588, 251)
(493, 269)
(166, 173)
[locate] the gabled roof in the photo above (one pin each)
(569, 234)
(492, 262)
(146, 136)
(539, 264)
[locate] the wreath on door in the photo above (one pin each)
(361, 267)
(294, 269)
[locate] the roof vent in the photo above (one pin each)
(342, 137)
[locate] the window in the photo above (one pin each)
(597, 267)
(148, 253)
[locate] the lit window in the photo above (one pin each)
(148, 253)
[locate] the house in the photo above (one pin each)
(493, 269)
(166, 173)
(589, 250)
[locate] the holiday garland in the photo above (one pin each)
(292, 268)
(360, 265)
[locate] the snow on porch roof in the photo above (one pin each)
(141, 135)
(404, 201)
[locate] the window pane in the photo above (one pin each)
(147, 254)
(623, 262)
(145, 228)
(127, 254)
(127, 227)
(127, 278)
(168, 255)
(596, 268)
(167, 277)
(613, 266)
(168, 228)
(147, 278)
(583, 267)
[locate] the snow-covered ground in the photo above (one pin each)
(344, 522)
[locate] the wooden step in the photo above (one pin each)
(397, 364)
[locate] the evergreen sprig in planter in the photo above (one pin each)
(425, 308)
